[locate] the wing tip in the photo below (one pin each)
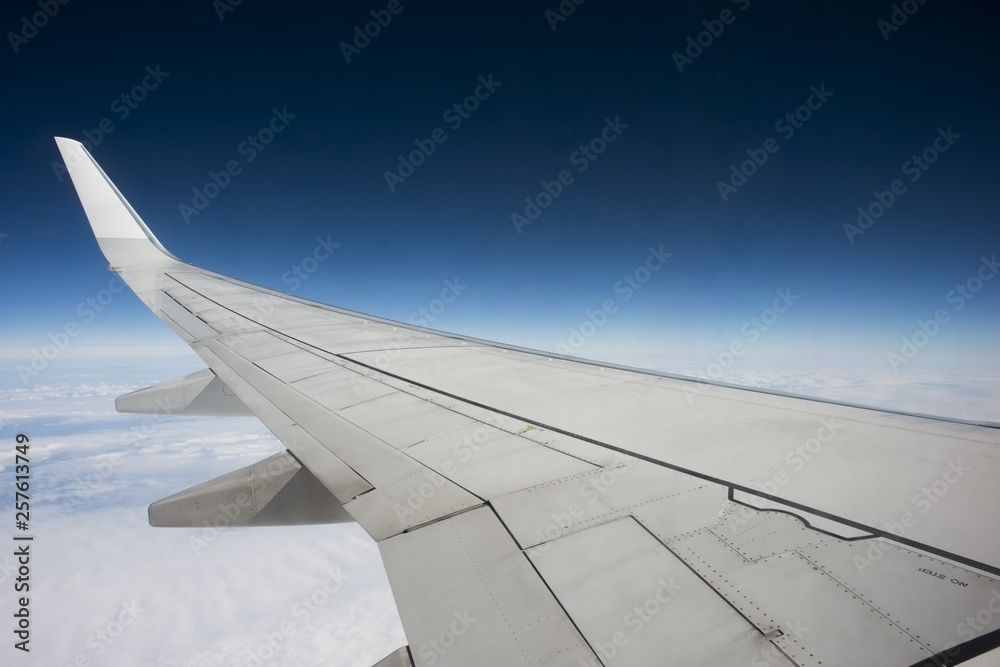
(112, 218)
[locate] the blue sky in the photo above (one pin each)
(206, 85)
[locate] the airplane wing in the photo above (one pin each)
(534, 509)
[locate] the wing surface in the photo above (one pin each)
(533, 509)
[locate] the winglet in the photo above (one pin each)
(123, 236)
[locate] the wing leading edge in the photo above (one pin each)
(533, 509)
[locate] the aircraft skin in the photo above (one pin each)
(535, 509)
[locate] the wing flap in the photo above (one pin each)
(899, 583)
(636, 602)
(468, 596)
(821, 621)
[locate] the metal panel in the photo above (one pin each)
(575, 447)
(195, 327)
(599, 456)
(637, 604)
(820, 620)
(204, 307)
(673, 517)
(186, 297)
(338, 388)
(490, 462)
(468, 596)
(939, 603)
(417, 495)
(757, 535)
(230, 323)
(672, 503)
(292, 366)
(409, 503)
(515, 377)
(255, 345)
(383, 343)
(401, 419)
(828, 525)
(342, 481)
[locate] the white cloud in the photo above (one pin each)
(967, 394)
(217, 606)
(95, 557)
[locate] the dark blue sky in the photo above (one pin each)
(608, 67)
